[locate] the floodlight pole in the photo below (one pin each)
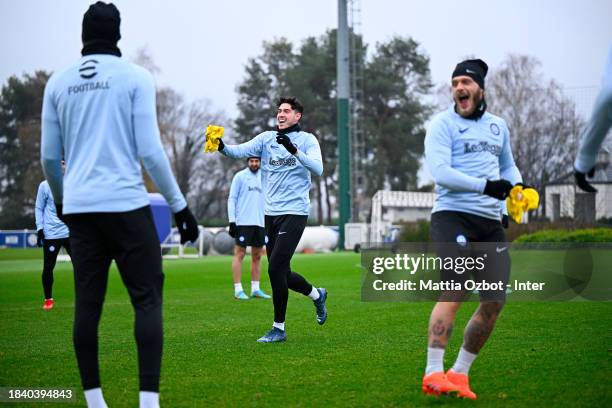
(343, 93)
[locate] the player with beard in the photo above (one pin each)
(245, 210)
(288, 155)
(467, 151)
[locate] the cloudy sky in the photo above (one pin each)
(201, 46)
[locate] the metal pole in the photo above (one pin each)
(343, 91)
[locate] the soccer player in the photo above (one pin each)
(468, 154)
(288, 155)
(52, 236)
(245, 210)
(595, 132)
(100, 115)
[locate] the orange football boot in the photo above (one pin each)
(462, 382)
(437, 384)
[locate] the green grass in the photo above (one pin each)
(367, 354)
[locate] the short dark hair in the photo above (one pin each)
(296, 105)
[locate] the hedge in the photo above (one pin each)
(580, 235)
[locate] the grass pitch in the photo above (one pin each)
(367, 354)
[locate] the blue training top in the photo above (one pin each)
(46, 214)
(286, 178)
(245, 205)
(462, 154)
(100, 115)
(599, 123)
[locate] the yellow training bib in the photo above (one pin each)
(520, 201)
(213, 135)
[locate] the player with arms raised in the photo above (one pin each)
(288, 156)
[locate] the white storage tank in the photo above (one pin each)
(318, 239)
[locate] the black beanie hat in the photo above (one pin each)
(474, 68)
(101, 24)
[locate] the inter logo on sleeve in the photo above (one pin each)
(494, 129)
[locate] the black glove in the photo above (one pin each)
(40, 238)
(582, 182)
(285, 141)
(498, 189)
(59, 209)
(504, 220)
(221, 145)
(233, 229)
(187, 225)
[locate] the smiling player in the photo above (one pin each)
(288, 157)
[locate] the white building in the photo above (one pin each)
(390, 207)
(565, 200)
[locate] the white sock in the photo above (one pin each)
(279, 325)
(254, 286)
(435, 360)
(314, 294)
(149, 399)
(94, 398)
(238, 287)
(464, 361)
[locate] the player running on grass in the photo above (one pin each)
(468, 154)
(246, 216)
(288, 155)
(595, 132)
(100, 113)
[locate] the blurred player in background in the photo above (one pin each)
(245, 210)
(288, 155)
(467, 151)
(52, 235)
(100, 115)
(595, 132)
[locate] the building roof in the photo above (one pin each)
(603, 173)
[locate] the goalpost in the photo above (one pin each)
(173, 240)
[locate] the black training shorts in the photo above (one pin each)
(250, 235)
(461, 235)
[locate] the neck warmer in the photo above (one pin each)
(294, 128)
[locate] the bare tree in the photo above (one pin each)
(211, 182)
(182, 126)
(144, 58)
(543, 122)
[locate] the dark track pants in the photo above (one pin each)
(131, 240)
(51, 248)
(284, 233)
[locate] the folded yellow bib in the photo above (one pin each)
(520, 201)
(213, 135)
